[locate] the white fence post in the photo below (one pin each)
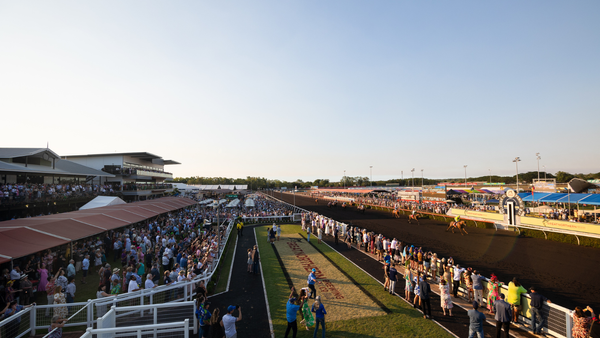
(32, 316)
(186, 331)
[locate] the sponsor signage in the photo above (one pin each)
(492, 216)
(564, 225)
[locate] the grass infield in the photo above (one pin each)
(402, 320)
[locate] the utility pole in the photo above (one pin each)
(413, 178)
(465, 176)
(371, 170)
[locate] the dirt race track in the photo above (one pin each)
(569, 275)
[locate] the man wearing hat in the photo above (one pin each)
(228, 321)
(312, 279)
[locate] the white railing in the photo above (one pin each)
(16, 325)
(87, 313)
(266, 219)
(559, 321)
(174, 330)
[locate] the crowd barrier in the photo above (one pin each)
(559, 321)
(87, 313)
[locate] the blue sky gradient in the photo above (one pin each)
(308, 89)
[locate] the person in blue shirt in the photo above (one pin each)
(312, 279)
(476, 320)
(320, 313)
(291, 309)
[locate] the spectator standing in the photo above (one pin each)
(393, 273)
(55, 329)
(537, 301)
(60, 298)
(50, 286)
(71, 289)
(424, 297)
(456, 280)
(514, 298)
(291, 310)
(581, 322)
(85, 266)
(228, 321)
(476, 320)
(445, 299)
(308, 231)
(278, 231)
(255, 259)
(503, 316)
(312, 279)
(477, 287)
(26, 289)
(71, 269)
(320, 313)
(12, 328)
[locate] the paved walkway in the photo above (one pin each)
(245, 290)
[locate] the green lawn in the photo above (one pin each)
(224, 266)
(403, 321)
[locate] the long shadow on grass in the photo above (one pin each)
(373, 298)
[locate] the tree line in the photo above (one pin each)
(255, 183)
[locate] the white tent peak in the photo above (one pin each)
(102, 201)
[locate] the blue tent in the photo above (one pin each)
(591, 199)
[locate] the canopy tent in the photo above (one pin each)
(25, 236)
(249, 203)
(233, 203)
(206, 201)
(542, 197)
(102, 201)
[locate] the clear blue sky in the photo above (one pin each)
(307, 89)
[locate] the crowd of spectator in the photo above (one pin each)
(418, 268)
(31, 192)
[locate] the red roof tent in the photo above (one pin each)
(52, 230)
(22, 242)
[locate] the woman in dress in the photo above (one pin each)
(493, 293)
(43, 277)
(468, 284)
(445, 299)
(101, 307)
(581, 322)
(60, 298)
(320, 234)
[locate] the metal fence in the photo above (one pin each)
(87, 313)
(559, 321)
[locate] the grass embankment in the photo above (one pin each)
(403, 320)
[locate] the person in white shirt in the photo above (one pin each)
(228, 321)
(133, 285)
(149, 284)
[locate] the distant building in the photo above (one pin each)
(140, 174)
(43, 166)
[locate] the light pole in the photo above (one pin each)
(517, 160)
(344, 179)
(371, 170)
(465, 176)
(544, 172)
(421, 178)
(402, 175)
(490, 170)
(538, 160)
(413, 178)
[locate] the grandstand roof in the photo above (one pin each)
(591, 199)
(60, 168)
(141, 155)
(26, 236)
